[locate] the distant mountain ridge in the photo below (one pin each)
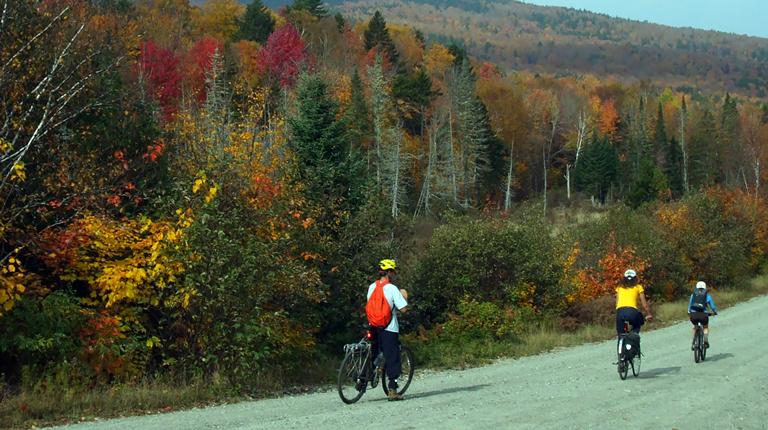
(557, 40)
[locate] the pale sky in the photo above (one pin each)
(748, 17)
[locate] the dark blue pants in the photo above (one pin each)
(633, 315)
(390, 344)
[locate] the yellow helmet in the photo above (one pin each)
(387, 265)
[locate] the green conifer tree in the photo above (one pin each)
(256, 24)
(315, 7)
(377, 35)
(327, 168)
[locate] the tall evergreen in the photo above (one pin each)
(649, 186)
(674, 167)
(705, 154)
(416, 91)
(256, 24)
(340, 21)
(358, 115)
(729, 142)
(459, 54)
(493, 166)
(472, 157)
(598, 168)
(315, 7)
(660, 131)
(326, 167)
(764, 113)
(377, 35)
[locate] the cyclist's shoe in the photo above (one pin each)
(706, 344)
(693, 345)
(393, 396)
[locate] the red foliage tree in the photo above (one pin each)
(158, 68)
(283, 55)
(202, 57)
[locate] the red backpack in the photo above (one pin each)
(378, 310)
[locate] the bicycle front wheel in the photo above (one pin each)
(406, 375)
(351, 385)
(698, 345)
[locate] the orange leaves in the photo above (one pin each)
(101, 335)
(592, 284)
(607, 117)
(154, 151)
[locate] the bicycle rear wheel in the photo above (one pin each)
(406, 375)
(623, 367)
(351, 385)
(635, 363)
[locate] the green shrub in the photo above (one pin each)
(477, 320)
(41, 334)
(505, 261)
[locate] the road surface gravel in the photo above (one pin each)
(573, 388)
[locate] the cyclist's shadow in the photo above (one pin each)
(721, 356)
(445, 391)
(659, 371)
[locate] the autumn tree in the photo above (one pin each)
(283, 57)
(508, 117)
(218, 19)
(55, 55)
(415, 96)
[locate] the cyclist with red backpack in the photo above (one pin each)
(697, 310)
(383, 298)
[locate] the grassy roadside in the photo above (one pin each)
(39, 405)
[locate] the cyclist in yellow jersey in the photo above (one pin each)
(626, 303)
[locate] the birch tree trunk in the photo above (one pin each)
(508, 191)
(681, 129)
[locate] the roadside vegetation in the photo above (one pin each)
(195, 199)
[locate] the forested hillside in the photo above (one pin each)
(554, 40)
(203, 193)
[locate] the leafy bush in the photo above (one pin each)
(477, 320)
(509, 262)
(41, 334)
(251, 301)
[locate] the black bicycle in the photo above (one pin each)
(699, 346)
(359, 369)
(628, 351)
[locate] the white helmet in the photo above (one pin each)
(630, 274)
(701, 285)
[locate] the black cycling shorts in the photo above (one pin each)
(700, 317)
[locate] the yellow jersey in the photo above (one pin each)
(627, 297)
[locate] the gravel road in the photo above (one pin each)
(574, 388)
